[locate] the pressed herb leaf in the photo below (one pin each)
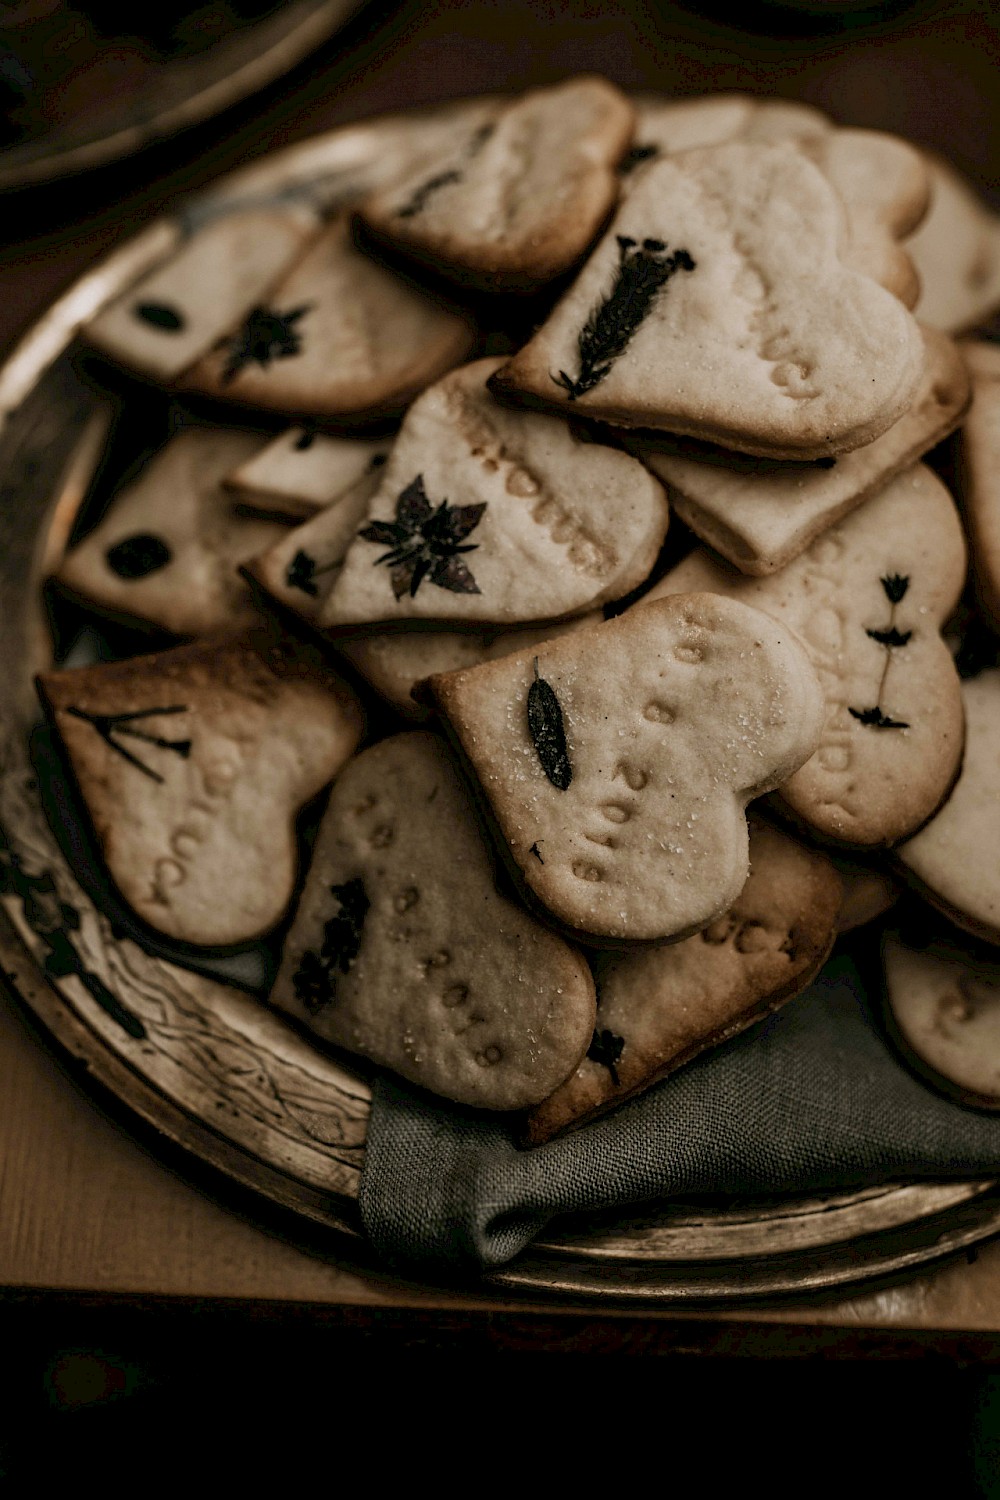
(876, 719)
(642, 273)
(606, 1048)
(265, 336)
(109, 726)
(425, 542)
(548, 733)
(303, 571)
(315, 979)
(138, 556)
(159, 315)
(536, 852)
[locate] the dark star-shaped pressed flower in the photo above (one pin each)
(425, 542)
(264, 337)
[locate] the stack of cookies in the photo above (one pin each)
(606, 785)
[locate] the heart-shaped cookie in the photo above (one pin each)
(403, 950)
(340, 336)
(194, 764)
(490, 516)
(762, 513)
(167, 550)
(869, 599)
(617, 761)
(659, 1007)
(176, 313)
(516, 199)
(718, 306)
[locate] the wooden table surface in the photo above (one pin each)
(85, 1207)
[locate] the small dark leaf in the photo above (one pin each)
(401, 577)
(548, 733)
(606, 1048)
(895, 586)
(420, 567)
(305, 440)
(138, 556)
(384, 533)
(159, 315)
(876, 719)
(891, 637)
(413, 509)
(301, 573)
(451, 573)
(536, 852)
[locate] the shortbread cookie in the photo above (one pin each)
(178, 312)
(944, 1011)
(301, 565)
(882, 182)
(403, 950)
(951, 859)
(168, 549)
(302, 471)
(665, 127)
(491, 516)
(869, 599)
(341, 336)
(516, 200)
(868, 893)
(718, 307)
(885, 187)
(394, 662)
(956, 251)
(979, 469)
(194, 764)
(659, 1007)
(617, 761)
(761, 513)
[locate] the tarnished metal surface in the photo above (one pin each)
(205, 1063)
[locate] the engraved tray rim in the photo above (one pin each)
(683, 1257)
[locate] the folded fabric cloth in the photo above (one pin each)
(812, 1098)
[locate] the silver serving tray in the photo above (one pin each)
(207, 1065)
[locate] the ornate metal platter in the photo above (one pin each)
(201, 1060)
